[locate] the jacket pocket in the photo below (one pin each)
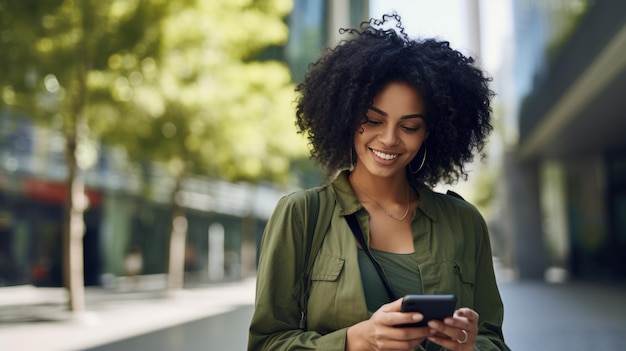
(327, 268)
(466, 274)
(326, 279)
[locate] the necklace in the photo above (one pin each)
(388, 213)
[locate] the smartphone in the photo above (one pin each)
(431, 306)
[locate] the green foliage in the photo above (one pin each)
(52, 45)
(169, 80)
(201, 103)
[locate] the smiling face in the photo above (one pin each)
(393, 131)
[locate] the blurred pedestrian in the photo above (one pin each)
(388, 117)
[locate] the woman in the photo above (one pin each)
(387, 117)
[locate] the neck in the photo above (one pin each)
(384, 195)
(393, 189)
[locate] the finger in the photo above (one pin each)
(452, 328)
(465, 319)
(460, 336)
(440, 329)
(408, 319)
(452, 333)
(453, 344)
(390, 315)
(468, 313)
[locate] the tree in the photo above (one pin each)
(206, 104)
(50, 48)
(176, 81)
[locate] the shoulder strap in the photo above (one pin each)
(358, 233)
(454, 194)
(314, 237)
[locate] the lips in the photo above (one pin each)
(385, 156)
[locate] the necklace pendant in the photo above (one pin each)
(388, 213)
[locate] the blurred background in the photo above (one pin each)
(144, 144)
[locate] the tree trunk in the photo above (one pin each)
(76, 201)
(178, 234)
(74, 230)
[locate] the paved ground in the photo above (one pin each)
(568, 317)
(538, 316)
(223, 332)
(111, 316)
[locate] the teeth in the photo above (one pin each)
(385, 156)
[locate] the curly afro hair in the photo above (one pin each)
(340, 86)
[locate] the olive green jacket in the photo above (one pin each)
(451, 243)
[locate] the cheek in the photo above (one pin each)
(416, 141)
(414, 145)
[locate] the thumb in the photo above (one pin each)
(393, 306)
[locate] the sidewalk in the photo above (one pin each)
(44, 325)
(538, 316)
(570, 316)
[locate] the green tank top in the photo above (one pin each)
(402, 272)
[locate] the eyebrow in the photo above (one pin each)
(383, 113)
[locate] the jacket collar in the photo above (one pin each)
(348, 202)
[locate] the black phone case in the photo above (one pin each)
(431, 306)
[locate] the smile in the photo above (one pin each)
(384, 156)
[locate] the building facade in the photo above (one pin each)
(564, 170)
(129, 212)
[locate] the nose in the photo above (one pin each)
(389, 135)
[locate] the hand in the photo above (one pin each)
(457, 332)
(379, 332)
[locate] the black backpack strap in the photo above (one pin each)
(454, 194)
(358, 234)
(315, 233)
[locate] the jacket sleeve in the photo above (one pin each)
(275, 321)
(487, 300)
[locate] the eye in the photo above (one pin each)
(411, 129)
(371, 121)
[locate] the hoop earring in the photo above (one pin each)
(351, 160)
(421, 164)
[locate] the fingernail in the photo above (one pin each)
(417, 317)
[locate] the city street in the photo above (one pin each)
(538, 316)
